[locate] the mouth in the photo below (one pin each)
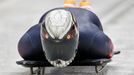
(61, 63)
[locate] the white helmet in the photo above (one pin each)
(59, 37)
(58, 23)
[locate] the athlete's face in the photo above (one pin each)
(60, 41)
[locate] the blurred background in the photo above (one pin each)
(17, 16)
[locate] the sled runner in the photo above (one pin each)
(40, 65)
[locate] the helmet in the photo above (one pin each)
(59, 36)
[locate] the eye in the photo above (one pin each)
(45, 35)
(71, 34)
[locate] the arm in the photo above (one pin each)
(102, 45)
(29, 45)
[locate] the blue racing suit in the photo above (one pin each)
(93, 43)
